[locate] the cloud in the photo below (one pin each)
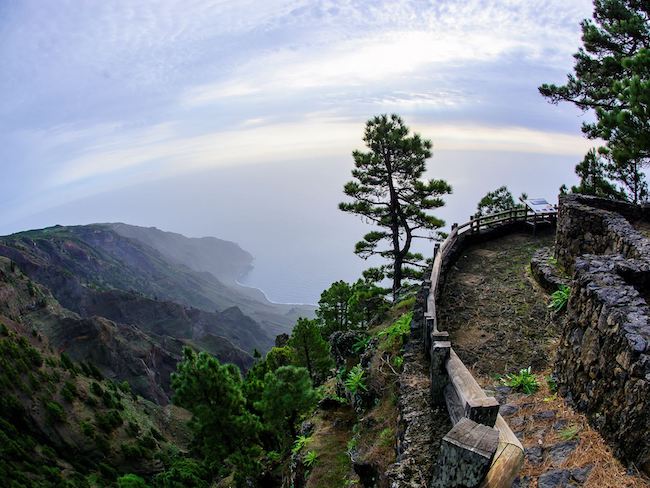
(260, 142)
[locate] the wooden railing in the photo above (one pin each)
(498, 460)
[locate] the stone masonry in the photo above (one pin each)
(603, 361)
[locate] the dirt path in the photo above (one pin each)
(497, 318)
(499, 323)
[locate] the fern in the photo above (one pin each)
(300, 442)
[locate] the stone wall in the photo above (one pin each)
(603, 360)
(588, 225)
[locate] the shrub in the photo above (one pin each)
(398, 361)
(183, 472)
(524, 381)
(3, 329)
(148, 442)
(107, 471)
(387, 437)
(125, 387)
(355, 381)
(131, 481)
(87, 429)
(55, 412)
(108, 421)
(96, 389)
(560, 298)
(398, 331)
(132, 451)
(69, 391)
(67, 363)
(132, 429)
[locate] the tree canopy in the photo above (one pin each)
(388, 190)
(312, 351)
(212, 392)
(612, 78)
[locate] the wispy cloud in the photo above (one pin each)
(100, 93)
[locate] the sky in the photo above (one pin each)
(238, 118)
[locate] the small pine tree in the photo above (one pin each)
(312, 351)
(288, 394)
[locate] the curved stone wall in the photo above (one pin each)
(603, 360)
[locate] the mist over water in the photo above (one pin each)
(286, 215)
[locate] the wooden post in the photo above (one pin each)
(437, 371)
(465, 455)
(429, 326)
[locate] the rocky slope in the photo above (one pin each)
(121, 351)
(76, 261)
(62, 423)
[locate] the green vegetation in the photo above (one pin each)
(388, 191)
(55, 412)
(310, 459)
(355, 381)
(344, 307)
(524, 381)
(312, 352)
(560, 298)
(131, 481)
(569, 433)
(301, 441)
(495, 201)
(396, 333)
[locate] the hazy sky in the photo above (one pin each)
(237, 118)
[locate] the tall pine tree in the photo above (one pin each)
(389, 191)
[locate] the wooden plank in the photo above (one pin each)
(466, 454)
(476, 404)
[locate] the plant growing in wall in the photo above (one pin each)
(560, 298)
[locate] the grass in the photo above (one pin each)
(591, 449)
(329, 443)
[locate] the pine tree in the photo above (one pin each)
(288, 394)
(334, 309)
(312, 352)
(388, 191)
(612, 78)
(593, 181)
(496, 201)
(212, 392)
